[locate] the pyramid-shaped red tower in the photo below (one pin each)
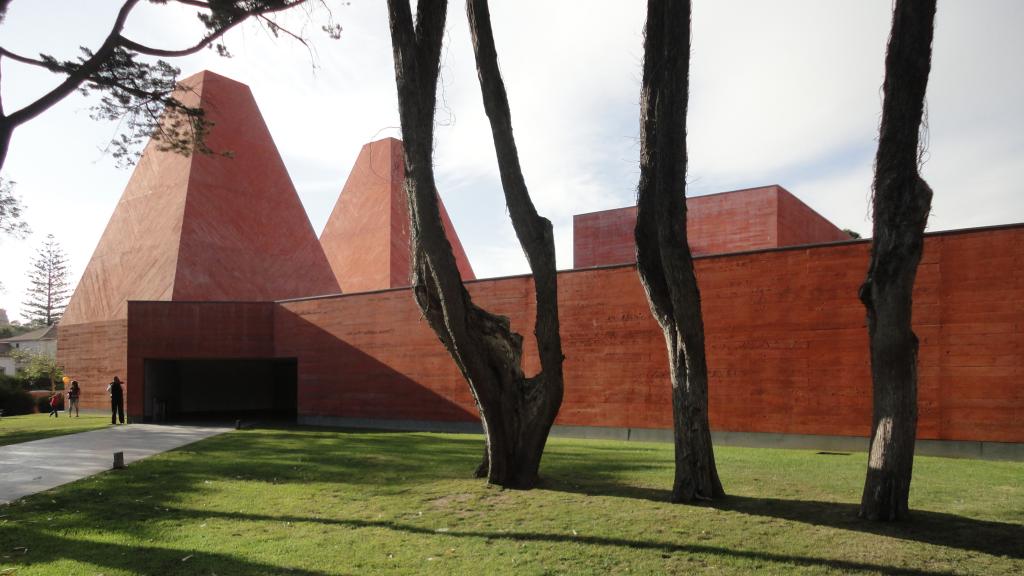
(208, 226)
(366, 238)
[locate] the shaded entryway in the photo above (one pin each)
(179, 390)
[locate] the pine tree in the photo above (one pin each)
(49, 289)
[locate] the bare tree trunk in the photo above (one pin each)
(5, 140)
(901, 203)
(516, 411)
(663, 252)
(534, 232)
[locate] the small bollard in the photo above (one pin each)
(118, 460)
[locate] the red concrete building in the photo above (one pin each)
(787, 344)
(750, 219)
(366, 238)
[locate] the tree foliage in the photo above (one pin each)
(34, 366)
(11, 220)
(49, 288)
(133, 90)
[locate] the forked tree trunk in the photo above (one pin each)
(662, 250)
(516, 411)
(901, 203)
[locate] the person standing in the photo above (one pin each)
(116, 401)
(53, 405)
(73, 395)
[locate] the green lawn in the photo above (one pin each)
(315, 502)
(16, 429)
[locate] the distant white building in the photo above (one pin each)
(41, 341)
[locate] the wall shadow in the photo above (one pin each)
(338, 379)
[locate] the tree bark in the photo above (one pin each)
(5, 140)
(516, 411)
(901, 203)
(664, 261)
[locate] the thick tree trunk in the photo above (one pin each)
(664, 261)
(516, 411)
(901, 204)
(534, 232)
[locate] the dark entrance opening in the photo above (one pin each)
(221, 389)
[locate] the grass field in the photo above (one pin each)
(315, 502)
(17, 429)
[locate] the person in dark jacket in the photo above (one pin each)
(73, 395)
(116, 401)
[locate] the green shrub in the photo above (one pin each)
(14, 399)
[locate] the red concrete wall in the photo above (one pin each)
(751, 219)
(93, 353)
(369, 356)
(787, 345)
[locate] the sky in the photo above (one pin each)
(785, 92)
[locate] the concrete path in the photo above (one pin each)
(39, 465)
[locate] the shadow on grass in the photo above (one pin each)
(46, 547)
(398, 459)
(393, 461)
(948, 530)
(663, 547)
(8, 438)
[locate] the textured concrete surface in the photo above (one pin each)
(36, 466)
(751, 219)
(787, 345)
(366, 238)
(93, 353)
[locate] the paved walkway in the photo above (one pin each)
(39, 465)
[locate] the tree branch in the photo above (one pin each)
(23, 59)
(78, 76)
(240, 17)
(196, 3)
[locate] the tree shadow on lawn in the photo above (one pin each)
(663, 547)
(574, 469)
(323, 456)
(947, 530)
(22, 436)
(44, 546)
